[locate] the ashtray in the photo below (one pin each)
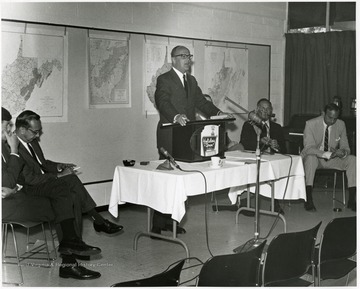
(129, 163)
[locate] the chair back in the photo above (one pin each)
(169, 277)
(338, 240)
(289, 256)
(233, 270)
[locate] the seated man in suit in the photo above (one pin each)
(271, 135)
(41, 177)
(18, 206)
(326, 146)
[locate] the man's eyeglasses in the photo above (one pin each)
(184, 56)
(35, 132)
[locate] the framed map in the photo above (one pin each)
(34, 73)
(109, 75)
(157, 61)
(226, 75)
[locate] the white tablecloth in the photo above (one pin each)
(167, 191)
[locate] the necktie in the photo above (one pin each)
(185, 84)
(267, 130)
(33, 153)
(326, 139)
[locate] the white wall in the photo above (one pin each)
(99, 139)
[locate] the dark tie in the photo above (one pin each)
(326, 139)
(33, 153)
(185, 84)
(267, 130)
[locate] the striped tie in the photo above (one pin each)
(326, 139)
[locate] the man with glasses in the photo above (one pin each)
(271, 135)
(19, 206)
(177, 97)
(41, 177)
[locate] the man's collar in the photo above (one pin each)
(23, 142)
(267, 122)
(178, 72)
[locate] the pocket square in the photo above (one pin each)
(338, 139)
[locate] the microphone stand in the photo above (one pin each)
(255, 242)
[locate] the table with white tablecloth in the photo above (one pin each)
(167, 190)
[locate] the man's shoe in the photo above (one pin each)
(179, 230)
(77, 272)
(78, 247)
(108, 227)
(84, 258)
(309, 207)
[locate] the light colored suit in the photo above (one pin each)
(312, 152)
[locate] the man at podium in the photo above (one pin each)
(177, 97)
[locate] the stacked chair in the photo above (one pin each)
(233, 270)
(288, 258)
(336, 248)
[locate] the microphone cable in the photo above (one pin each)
(206, 207)
(286, 186)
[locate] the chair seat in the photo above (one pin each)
(169, 277)
(298, 282)
(336, 269)
(25, 224)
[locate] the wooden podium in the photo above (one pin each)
(198, 140)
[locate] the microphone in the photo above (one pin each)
(169, 157)
(253, 118)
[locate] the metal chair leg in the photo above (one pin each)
(343, 187)
(17, 254)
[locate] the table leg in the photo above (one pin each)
(264, 212)
(148, 233)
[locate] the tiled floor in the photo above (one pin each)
(119, 262)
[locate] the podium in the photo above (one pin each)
(199, 140)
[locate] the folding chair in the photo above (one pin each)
(233, 270)
(32, 248)
(170, 277)
(289, 257)
(337, 245)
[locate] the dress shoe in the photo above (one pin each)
(84, 258)
(107, 227)
(78, 247)
(309, 207)
(179, 230)
(77, 272)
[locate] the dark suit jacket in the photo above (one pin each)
(31, 174)
(249, 137)
(171, 99)
(20, 207)
(11, 168)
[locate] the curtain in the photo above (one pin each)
(318, 67)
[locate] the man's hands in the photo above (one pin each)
(12, 141)
(6, 192)
(181, 119)
(340, 153)
(273, 143)
(65, 169)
